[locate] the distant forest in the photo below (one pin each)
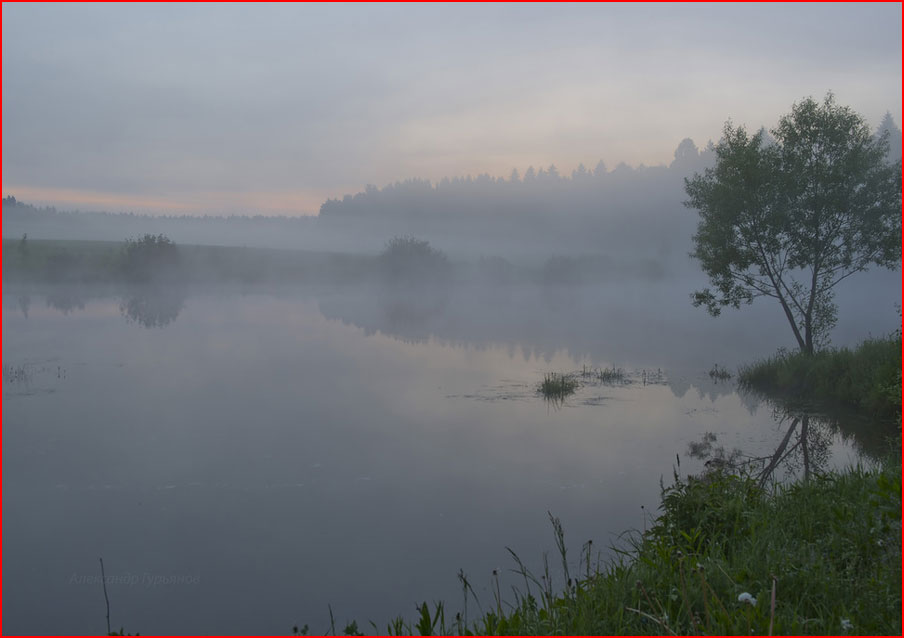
(538, 193)
(627, 213)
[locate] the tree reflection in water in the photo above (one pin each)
(804, 448)
(66, 299)
(151, 306)
(24, 301)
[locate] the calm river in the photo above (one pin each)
(243, 459)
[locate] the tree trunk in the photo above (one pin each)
(801, 342)
(773, 463)
(807, 348)
(808, 318)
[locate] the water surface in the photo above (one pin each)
(241, 459)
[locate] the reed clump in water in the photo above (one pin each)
(556, 387)
(606, 375)
(718, 373)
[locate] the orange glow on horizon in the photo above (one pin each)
(291, 203)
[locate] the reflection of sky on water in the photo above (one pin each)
(290, 460)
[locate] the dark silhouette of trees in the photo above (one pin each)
(17, 209)
(150, 258)
(152, 307)
(889, 129)
(688, 159)
(406, 259)
(630, 212)
(23, 247)
(807, 453)
(66, 299)
(791, 218)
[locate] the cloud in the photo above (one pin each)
(303, 202)
(158, 102)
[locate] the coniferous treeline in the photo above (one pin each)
(626, 213)
(541, 191)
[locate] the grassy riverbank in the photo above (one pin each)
(728, 553)
(731, 555)
(866, 378)
(726, 557)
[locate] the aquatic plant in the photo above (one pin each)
(866, 378)
(556, 387)
(17, 373)
(718, 373)
(611, 375)
(606, 375)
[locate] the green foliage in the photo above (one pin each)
(706, 510)
(791, 217)
(150, 258)
(557, 387)
(867, 378)
(428, 625)
(829, 549)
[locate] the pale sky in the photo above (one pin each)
(270, 109)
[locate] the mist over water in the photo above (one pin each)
(282, 285)
(281, 449)
(251, 434)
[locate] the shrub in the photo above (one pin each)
(414, 260)
(150, 258)
(867, 378)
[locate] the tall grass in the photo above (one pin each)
(557, 387)
(611, 375)
(724, 557)
(605, 375)
(867, 378)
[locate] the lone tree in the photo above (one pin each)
(791, 216)
(406, 259)
(150, 258)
